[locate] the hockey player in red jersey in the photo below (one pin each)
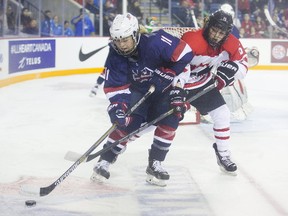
(134, 63)
(218, 56)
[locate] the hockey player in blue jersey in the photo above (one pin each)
(134, 63)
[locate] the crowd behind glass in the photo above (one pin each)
(28, 18)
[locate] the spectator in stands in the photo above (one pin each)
(242, 33)
(107, 21)
(256, 7)
(97, 3)
(25, 17)
(47, 24)
(183, 15)
(247, 24)
(276, 32)
(110, 7)
(162, 4)
(32, 28)
(134, 8)
(260, 26)
(254, 33)
(58, 28)
(201, 11)
(285, 18)
(110, 12)
(90, 6)
(282, 18)
(83, 24)
(281, 4)
(11, 20)
(67, 30)
(244, 6)
(1, 19)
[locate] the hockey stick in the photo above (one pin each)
(72, 156)
(43, 191)
(194, 19)
(272, 23)
(145, 126)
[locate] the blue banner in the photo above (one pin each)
(31, 55)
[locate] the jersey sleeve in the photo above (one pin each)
(238, 55)
(116, 87)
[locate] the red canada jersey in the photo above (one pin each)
(205, 56)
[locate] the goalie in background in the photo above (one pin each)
(220, 56)
(236, 95)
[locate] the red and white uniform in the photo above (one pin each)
(205, 59)
(205, 56)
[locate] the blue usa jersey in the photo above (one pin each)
(158, 54)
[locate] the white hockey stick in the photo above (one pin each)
(194, 19)
(272, 23)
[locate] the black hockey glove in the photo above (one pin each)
(225, 74)
(177, 98)
(117, 113)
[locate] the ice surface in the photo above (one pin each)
(43, 119)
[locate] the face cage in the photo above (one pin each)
(136, 38)
(211, 42)
(216, 45)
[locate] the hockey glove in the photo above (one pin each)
(177, 102)
(117, 113)
(225, 74)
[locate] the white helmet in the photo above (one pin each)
(228, 9)
(124, 26)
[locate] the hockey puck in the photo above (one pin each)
(30, 203)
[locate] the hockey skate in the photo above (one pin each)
(93, 91)
(100, 171)
(156, 175)
(224, 161)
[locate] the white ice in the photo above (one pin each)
(40, 120)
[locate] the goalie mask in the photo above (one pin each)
(123, 27)
(221, 21)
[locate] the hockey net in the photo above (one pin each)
(175, 31)
(191, 117)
